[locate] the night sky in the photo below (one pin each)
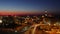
(30, 5)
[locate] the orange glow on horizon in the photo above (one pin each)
(17, 12)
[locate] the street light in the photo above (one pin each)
(0, 21)
(15, 30)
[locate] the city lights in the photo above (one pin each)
(30, 24)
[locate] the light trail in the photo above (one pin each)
(35, 26)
